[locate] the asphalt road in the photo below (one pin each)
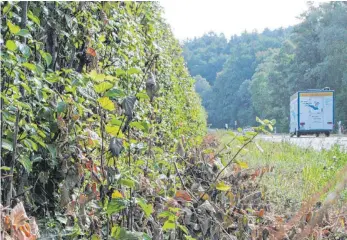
(317, 143)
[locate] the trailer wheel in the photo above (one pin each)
(327, 134)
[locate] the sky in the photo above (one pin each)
(193, 18)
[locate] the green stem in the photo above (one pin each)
(9, 194)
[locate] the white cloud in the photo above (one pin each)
(193, 18)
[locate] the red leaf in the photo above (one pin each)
(255, 174)
(260, 213)
(90, 51)
(180, 194)
(94, 189)
(82, 199)
(308, 217)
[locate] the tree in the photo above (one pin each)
(206, 55)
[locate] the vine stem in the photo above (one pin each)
(231, 160)
(138, 87)
(14, 146)
(102, 142)
(130, 217)
(181, 180)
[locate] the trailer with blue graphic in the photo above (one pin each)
(312, 112)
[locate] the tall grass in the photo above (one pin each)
(297, 173)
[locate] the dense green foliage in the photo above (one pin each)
(263, 70)
(205, 56)
(79, 79)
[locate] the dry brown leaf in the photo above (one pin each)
(204, 196)
(18, 216)
(34, 227)
(181, 194)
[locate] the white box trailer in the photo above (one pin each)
(312, 112)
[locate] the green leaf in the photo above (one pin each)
(189, 237)
(7, 7)
(13, 28)
(103, 87)
(120, 72)
(5, 168)
(29, 66)
(24, 33)
(47, 57)
(61, 107)
(112, 130)
(137, 125)
(33, 18)
(52, 78)
(169, 225)
(165, 214)
(25, 50)
(145, 125)
(11, 45)
(53, 151)
(6, 144)
(134, 71)
(146, 237)
(41, 133)
(38, 140)
(96, 76)
(95, 237)
(116, 205)
(183, 228)
(121, 233)
(222, 186)
(115, 93)
(110, 78)
(259, 121)
(127, 182)
(147, 208)
(106, 103)
(31, 144)
(102, 38)
(27, 164)
(116, 122)
(142, 95)
(242, 164)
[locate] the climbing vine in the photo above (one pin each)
(95, 99)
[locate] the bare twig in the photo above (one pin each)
(182, 183)
(220, 172)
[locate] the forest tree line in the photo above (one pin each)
(255, 74)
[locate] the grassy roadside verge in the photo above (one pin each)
(296, 174)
